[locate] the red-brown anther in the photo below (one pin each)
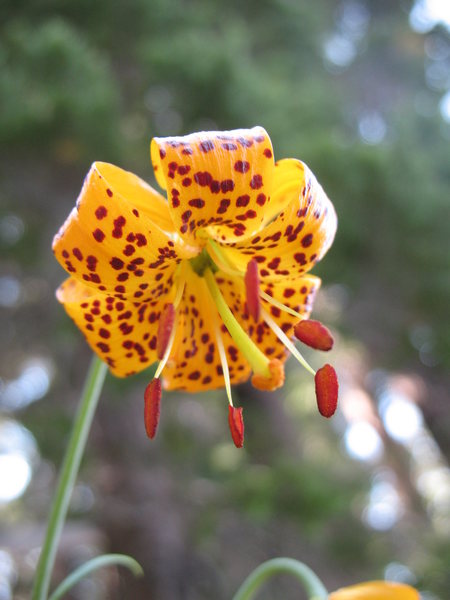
(165, 329)
(327, 388)
(314, 334)
(152, 407)
(252, 289)
(236, 423)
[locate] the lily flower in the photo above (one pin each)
(376, 590)
(211, 281)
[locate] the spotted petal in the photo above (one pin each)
(121, 332)
(194, 362)
(217, 182)
(302, 230)
(111, 241)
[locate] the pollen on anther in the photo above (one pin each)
(252, 289)
(314, 334)
(152, 407)
(236, 423)
(165, 329)
(327, 388)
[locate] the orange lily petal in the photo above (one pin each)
(376, 590)
(123, 333)
(110, 241)
(298, 236)
(216, 181)
(194, 363)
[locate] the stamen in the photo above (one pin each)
(224, 362)
(286, 341)
(280, 305)
(236, 423)
(258, 361)
(152, 407)
(176, 302)
(251, 280)
(314, 334)
(327, 388)
(165, 327)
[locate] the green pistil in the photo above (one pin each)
(258, 361)
(202, 262)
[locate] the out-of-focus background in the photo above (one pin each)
(358, 89)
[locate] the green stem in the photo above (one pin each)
(69, 471)
(92, 565)
(257, 360)
(312, 584)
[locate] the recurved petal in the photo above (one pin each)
(121, 332)
(119, 238)
(376, 590)
(194, 363)
(301, 231)
(219, 182)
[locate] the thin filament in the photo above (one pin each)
(176, 302)
(286, 341)
(280, 305)
(224, 362)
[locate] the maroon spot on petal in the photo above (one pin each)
(215, 186)
(104, 333)
(194, 375)
(141, 240)
(187, 151)
(203, 178)
(261, 199)
(122, 277)
(227, 185)
(176, 202)
(98, 234)
(77, 253)
(129, 250)
(245, 143)
(229, 146)
(256, 182)
(206, 146)
(241, 166)
(307, 240)
(186, 215)
(197, 203)
(243, 200)
(162, 153)
(101, 212)
(173, 165)
(288, 292)
(116, 263)
(103, 347)
(109, 192)
(184, 169)
(300, 258)
(268, 153)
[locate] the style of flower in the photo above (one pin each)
(376, 590)
(213, 281)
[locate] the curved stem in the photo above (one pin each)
(300, 571)
(69, 471)
(92, 565)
